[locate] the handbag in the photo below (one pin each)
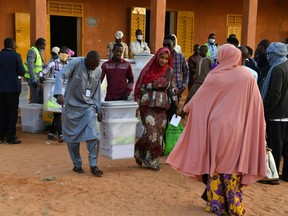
(172, 135)
(272, 173)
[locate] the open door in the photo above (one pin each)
(22, 33)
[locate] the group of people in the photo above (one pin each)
(136, 47)
(223, 142)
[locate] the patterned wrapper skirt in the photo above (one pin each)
(224, 193)
(149, 147)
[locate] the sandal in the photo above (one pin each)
(96, 171)
(154, 168)
(138, 161)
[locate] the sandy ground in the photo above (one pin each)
(125, 188)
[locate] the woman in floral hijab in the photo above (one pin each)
(154, 91)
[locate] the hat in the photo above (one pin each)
(119, 35)
(56, 49)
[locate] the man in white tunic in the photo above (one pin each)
(81, 100)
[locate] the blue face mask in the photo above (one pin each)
(41, 50)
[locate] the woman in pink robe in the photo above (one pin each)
(224, 137)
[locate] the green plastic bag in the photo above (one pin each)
(172, 135)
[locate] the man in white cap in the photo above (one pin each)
(118, 37)
(54, 54)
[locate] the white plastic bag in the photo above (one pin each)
(272, 173)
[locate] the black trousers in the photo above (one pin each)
(56, 124)
(277, 140)
(8, 114)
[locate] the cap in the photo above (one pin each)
(119, 34)
(56, 49)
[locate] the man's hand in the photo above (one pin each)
(34, 84)
(42, 79)
(60, 99)
(99, 117)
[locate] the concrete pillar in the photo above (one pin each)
(157, 24)
(38, 14)
(249, 23)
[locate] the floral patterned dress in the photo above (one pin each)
(156, 98)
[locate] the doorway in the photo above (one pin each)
(63, 32)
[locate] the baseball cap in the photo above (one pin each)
(119, 34)
(56, 49)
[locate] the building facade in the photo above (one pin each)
(83, 25)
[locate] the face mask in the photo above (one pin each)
(55, 57)
(211, 40)
(63, 57)
(139, 37)
(41, 50)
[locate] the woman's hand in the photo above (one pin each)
(178, 111)
(183, 114)
(137, 111)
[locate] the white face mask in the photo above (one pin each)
(211, 40)
(139, 37)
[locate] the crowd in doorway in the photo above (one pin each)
(236, 106)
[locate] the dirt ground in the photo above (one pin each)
(125, 188)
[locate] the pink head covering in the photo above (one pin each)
(228, 57)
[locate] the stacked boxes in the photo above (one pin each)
(118, 129)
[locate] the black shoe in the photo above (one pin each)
(14, 141)
(2, 140)
(60, 139)
(283, 178)
(204, 195)
(50, 136)
(271, 182)
(96, 171)
(138, 161)
(78, 170)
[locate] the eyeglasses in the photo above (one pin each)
(167, 45)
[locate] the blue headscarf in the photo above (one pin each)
(276, 54)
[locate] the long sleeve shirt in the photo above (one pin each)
(120, 79)
(138, 48)
(52, 68)
(180, 69)
(11, 67)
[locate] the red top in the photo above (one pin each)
(120, 79)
